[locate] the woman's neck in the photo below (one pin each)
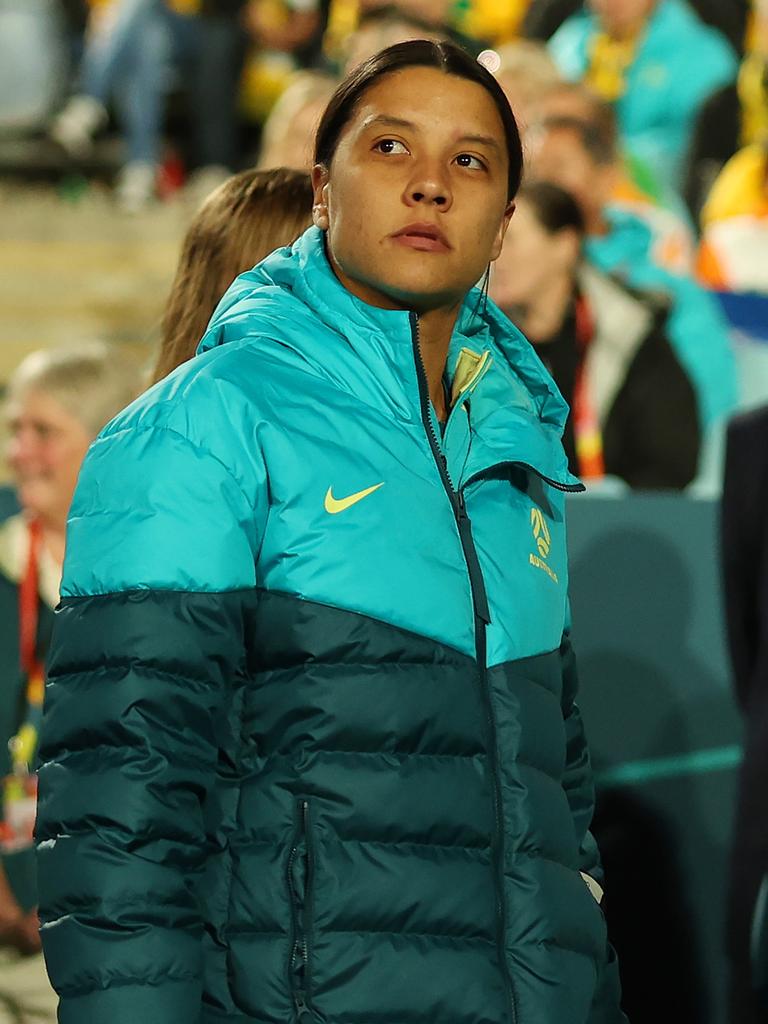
(54, 531)
(544, 315)
(435, 331)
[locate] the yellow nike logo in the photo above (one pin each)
(336, 505)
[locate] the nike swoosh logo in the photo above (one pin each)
(336, 505)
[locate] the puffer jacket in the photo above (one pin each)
(311, 747)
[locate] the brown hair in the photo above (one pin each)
(244, 220)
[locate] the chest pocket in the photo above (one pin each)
(519, 532)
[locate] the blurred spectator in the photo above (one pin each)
(526, 71)
(243, 221)
(221, 45)
(130, 47)
(735, 116)
(633, 409)
(57, 402)
(480, 22)
(657, 61)
(345, 16)
(578, 157)
(634, 183)
(744, 543)
(384, 26)
(545, 17)
(289, 132)
(289, 26)
(733, 255)
(288, 36)
(134, 49)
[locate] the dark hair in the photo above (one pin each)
(444, 56)
(597, 138)
(245, 219)
(555, 209)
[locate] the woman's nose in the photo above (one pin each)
(431, 187)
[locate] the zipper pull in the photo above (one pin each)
(479, 596)
(300, 1002)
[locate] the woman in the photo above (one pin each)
(57, 402)
(633, 408)
(239, 224)
(311, 739)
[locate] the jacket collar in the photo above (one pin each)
(517, 413)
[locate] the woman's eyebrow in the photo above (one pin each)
(386, 121)
(390, 121)
(481, 140)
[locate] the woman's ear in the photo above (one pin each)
(498, 241)
(320, 203)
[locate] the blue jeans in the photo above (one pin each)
(130, 59)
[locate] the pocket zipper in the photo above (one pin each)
(299, 963)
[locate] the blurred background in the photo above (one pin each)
(637, 265)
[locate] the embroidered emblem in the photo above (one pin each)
(543, 539)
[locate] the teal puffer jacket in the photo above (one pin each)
(311, 751)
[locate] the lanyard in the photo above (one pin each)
(587, 433)
(29, 613)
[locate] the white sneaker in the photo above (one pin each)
(76, 125)
(136, 186)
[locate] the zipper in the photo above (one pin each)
(300, 910)
(567, 488)
(482, 619)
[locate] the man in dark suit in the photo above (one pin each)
(744, 538)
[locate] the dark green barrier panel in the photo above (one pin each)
(664, 734)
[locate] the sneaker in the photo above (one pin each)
(75, 127)
(136, 186)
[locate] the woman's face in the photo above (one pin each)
(620, 17)
(45, 451)
(415, 202)
(530, 260)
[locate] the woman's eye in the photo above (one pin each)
(390, 146)
(473, 162)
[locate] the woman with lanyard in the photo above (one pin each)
(56, 402)
(633, 409)
(311, 749)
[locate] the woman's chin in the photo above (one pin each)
(35, 500)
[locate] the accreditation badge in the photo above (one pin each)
(19, 794)
(17, 829)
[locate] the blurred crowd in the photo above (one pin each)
(650, 114)
(636, 262)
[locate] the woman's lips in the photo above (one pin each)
(421, 243)
(422, 238)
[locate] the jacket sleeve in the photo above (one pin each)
(580, 791)
(147, 643)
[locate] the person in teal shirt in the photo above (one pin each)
(572, 153)
(656, 61)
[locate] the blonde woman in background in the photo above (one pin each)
(57, 402)
(290, 128)
(244, 220)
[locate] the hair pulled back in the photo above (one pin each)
(553, 207)
(443, 56)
